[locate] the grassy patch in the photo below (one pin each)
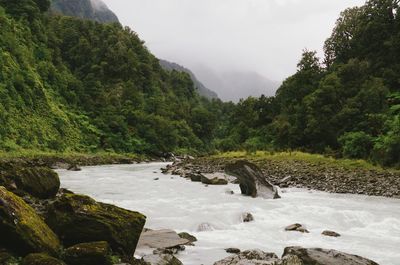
(304, 157)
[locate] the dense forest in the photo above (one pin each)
(68, 84)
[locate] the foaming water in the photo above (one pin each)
(370, 226)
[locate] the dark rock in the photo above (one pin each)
(247, 217)
(94, 253)
(161, 239)
(232, 250)
(74, 168)
(40, 182)
(250, 257)
(252, 180)
(318, 256)
(195, 177)
(214, 179)
(80, 219)
(6, 257)
(156, 179)
(41, 259)
(187, 236)
(162, 259)
(21, 229)
(330, 233)
(229, 191)
(297, 227)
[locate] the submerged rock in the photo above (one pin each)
(214, 179)
(247, 217)
(94, 253)
(205, 227)
(79, 219)
(251, 180)
(161, 239)
(41, 259)
(330, 233)
(297, 227)
(162, 259)
(21, 229)
(319, 256)
(250, 257)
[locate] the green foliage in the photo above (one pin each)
(356, 144)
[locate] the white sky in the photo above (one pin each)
(264, 36)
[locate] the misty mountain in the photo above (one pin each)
(88, 9)
(234, 85)
(201, 89)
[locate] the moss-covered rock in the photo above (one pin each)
(94, 253)
(79, 219)
(40, 182)
(41, 259)
(21, 229)
(6, 257)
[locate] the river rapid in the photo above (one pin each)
(370, 226)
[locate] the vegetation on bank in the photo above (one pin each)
(69, 85)
(352, 164)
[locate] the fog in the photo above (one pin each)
(265, 37)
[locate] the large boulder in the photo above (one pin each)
(251, 180)
(250, 257)
(93, 253)
(41, 259)
(40, 182)
(164, 238)
(214, 179)
(80, 219)
(21, 229)
(319, 256)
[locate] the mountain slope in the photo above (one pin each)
(201, 89)
(87, 9)
(68, 84)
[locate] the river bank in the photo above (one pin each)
(307, 171)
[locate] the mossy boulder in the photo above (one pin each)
(6, 257)
(41, 259)
(80, 219)
(93, 253)
(40, 182)
(21, 229)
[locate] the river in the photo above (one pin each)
(370, 226)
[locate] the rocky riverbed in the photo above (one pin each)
(302, 174)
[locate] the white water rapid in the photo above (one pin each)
(370, 226)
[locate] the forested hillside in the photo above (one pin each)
(70, 84)
(347, 104)
(75, 85)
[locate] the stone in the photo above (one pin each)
(40, 182)
(214, 179)
(164, 238)
(6, 257)
(195, 177)
(205, 227)
(232, 250)
(74, 167)
(162, 259)
(93, 253)
(330, 233)
(250, 257)
(229, 192)
(319, 256)
(297, 227)
(187, 236)
(247, 217)
(41, 259)
(252, 181)
(21, 229)
(80, 219)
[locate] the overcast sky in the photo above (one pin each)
(264, 36)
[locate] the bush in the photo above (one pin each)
(356, 145)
